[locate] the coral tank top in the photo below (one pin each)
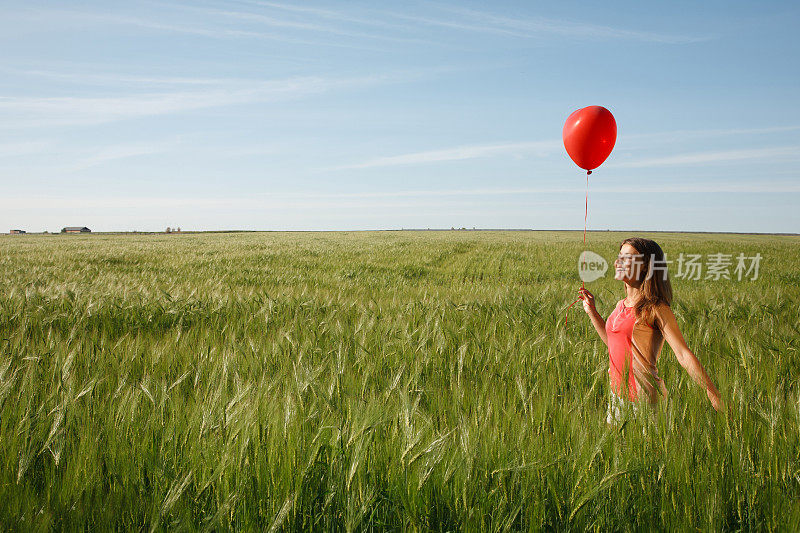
(633, 350)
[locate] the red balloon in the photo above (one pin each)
(589, 136)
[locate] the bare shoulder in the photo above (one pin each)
(664, 315)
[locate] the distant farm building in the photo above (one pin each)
(17, 231)
(76, 229)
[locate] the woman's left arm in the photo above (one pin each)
(686, 358)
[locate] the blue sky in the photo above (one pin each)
(367, 115)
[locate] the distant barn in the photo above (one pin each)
(17, 231)
(76, 229)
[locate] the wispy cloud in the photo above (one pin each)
(22, 148)
(170, 23)
(715, 132)
(24, 111)
(55, 159)
(330, 14)
(732, 187)
(407, 198)
(459, 153)
(83, 78)
(52, 203)
(536, 26)
(223, 32)
(762, 187)
(637, 140)
(548, 147)
(277, 22)
(120, 151)
(725, 156)
(222, 24)
(407, 25)
(404, 27)
(712, 187)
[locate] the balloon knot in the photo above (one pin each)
(588, 172)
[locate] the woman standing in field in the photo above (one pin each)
(635, 331)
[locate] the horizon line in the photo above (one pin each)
(135, 232)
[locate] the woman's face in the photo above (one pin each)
(629, 264)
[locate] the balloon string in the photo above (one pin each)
(583, 254)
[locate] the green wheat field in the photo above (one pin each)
(406, 381)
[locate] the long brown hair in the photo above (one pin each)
(655, 288)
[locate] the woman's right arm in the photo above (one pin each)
(597, 320)
(686, 358)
